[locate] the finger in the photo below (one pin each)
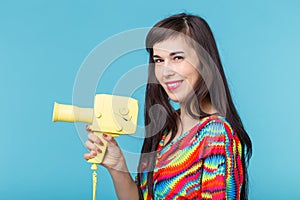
(92, 147)
(87, 127)
(109, 139)
(87, 156)
(93, 138)
(90, 155)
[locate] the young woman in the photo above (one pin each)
(200, 151)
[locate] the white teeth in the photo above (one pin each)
(173, 84)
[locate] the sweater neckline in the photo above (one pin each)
(197, 127)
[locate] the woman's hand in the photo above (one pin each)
(115, 163)
(113, 158)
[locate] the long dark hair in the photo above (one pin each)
(160, 115)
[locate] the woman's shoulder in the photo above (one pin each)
(217, 136)
(215, 125)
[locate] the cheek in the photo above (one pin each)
(192, 75)
(158, 73)
(195, 76)
(187, 71)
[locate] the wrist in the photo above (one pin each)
(120, 167)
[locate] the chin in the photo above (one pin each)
(175, 99)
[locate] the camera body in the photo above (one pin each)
(115, 115)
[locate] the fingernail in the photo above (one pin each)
(104, 135)
(94, 153)
(101, 143)
(99, 150)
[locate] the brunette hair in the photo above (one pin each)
(160, 116)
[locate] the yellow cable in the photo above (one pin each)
(94, 167)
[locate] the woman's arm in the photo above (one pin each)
(114, 161)
(125, 187)
(222, 175)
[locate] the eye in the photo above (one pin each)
(178, 58)
(158, 60)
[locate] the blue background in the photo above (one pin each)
(43, 44)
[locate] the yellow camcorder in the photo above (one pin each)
(115, 115)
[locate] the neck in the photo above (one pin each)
(187, 121)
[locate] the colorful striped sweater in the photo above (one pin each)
(203, 163)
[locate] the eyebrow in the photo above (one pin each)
(171, 54)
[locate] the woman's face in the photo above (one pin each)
(176, 69)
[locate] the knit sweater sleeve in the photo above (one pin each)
(222, 174)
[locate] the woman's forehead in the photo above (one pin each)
(172, 44)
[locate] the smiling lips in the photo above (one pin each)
(173, 85)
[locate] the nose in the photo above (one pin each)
(167, 70)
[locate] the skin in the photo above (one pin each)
(114, 161)
(175, 60)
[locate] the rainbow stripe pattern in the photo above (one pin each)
(203, 163)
